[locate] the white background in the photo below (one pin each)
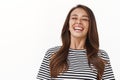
(28, 28)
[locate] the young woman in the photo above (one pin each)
(79, 57)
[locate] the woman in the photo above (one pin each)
(79, 57)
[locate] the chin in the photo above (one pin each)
(79, 36)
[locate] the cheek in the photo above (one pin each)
(86, 26)
(86, 29)
(70, 24)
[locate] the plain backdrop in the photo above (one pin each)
(28, 28)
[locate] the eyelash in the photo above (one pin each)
(81, 19)
(85, 19)
(74, 18)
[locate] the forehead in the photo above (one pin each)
(79, 11)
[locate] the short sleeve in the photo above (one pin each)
(44, 71)
(108, 72)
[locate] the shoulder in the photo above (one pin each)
(103, 54)
(52, 50)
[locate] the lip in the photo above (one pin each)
(78, 28)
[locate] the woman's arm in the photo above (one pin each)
(108, 72)
(44, 71)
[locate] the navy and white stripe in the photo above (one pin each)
(78, 66)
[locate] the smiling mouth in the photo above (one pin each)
(78, 28)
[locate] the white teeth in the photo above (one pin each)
(78, 28)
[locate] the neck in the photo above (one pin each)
(77, 43)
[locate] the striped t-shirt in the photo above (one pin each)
(78, 66)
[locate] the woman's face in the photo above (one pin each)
(78, 23)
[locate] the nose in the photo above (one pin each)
(79, 21)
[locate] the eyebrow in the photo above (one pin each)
(77, 15)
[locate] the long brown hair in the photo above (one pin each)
(58, 62)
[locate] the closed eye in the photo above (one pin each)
(85, 19)
(74, 18)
